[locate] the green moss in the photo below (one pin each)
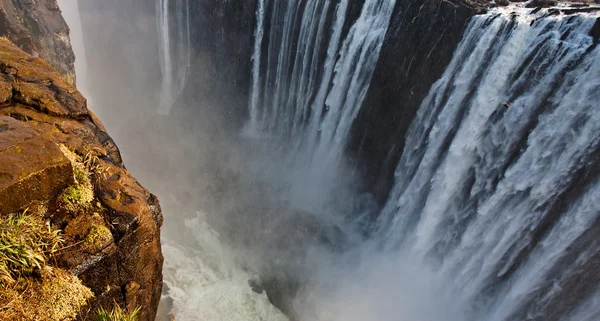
(79, 196)
(98, 238)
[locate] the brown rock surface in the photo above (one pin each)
(38, 28)
(114, 241)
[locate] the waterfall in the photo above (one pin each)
(311, 79)
(258, 41)
(498, 184)
(173, 21)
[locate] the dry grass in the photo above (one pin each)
(117, 314)
(26, 242)
(29, 288)
(56, 295)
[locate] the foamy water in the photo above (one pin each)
(204, 280)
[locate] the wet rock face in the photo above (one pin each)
(116, 239)
(419, 45)
(222, 39)
(38, 28)
(541, 3)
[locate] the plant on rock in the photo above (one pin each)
(79, 196)
(30, 289)
(25, 243)
(117, 314)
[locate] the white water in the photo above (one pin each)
(460, 211)
(204, 280)
(312, 87)
(173, 22)
(477, 179)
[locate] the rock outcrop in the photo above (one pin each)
(38, 28)
(55, 154)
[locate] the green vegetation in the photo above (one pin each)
(29, 288)
(56, 295)
(79, 196)
(25, 244)
(117, 314)
(98, 238)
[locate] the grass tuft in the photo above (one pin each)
(25, 243)
(117, 314)
(56, 295)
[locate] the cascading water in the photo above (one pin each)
(314, 81)
(495, 209)
(498, 185)
(173, 23)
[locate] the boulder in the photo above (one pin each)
(32, 167)
(595, 31)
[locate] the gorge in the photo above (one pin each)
(353, 160)
(372, 160)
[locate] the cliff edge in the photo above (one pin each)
(38, 28)
(58, 165)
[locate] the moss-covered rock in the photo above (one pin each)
(55, 295)
(98, 239)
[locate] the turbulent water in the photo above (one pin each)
(173, 23)
(204, 280)
(498, 185)
(496, 199)
(495, 208)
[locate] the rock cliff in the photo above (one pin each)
(38, 28)
(58, 162)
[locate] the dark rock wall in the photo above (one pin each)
(419, 45)
(223, 41)
(38, 28)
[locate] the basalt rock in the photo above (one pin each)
(114, 242)
(541, 3)
(38, 28)
(419, 45)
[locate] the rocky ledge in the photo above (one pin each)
(58, 164)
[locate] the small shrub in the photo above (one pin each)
(117, 314)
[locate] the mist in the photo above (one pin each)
(238, 206)
(241, 127)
